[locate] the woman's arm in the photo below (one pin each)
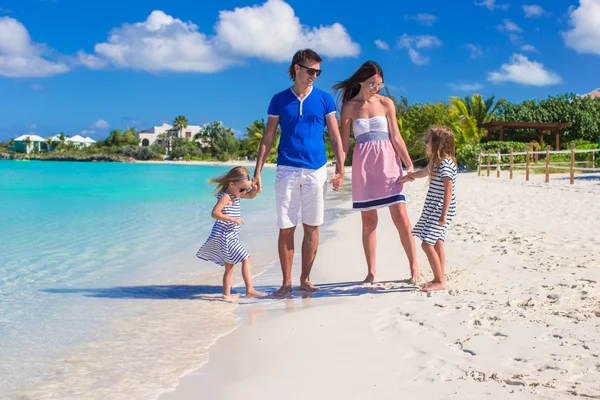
(345, 124)
(217, 212)
(395, 137)
(422, 173)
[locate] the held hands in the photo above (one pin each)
(337, 181)
(442, 220)
(257, 185)
(406, 178)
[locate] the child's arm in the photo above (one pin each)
(447, 199)
(217, 212)
(422, 173)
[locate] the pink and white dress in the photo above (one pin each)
(375, 166)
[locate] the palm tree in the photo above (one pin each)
(48, 144)
(475, 107)
(181, 122)
(255, 133)
(401, 106)
(27, 142)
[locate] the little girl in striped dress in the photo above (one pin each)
(440, 203)
(223, 245)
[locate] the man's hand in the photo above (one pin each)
(337, 181)
(257, 183)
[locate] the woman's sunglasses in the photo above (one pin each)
(311, 71)
(376, 85)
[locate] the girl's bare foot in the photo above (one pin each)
(369, 279)
(434, 286)
(254, 293)
(231, 298)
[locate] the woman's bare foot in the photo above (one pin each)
(254, 293)
(308, 287)
(231, 298)
(369, 279)
(283, 291)
(433, 286)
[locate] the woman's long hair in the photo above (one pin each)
(442, 147)
(235, 174)
(349, 88)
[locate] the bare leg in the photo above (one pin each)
(247, 275)
(227, 277)
(438, 282)
(400, 218)
(286, 256)
(310, 244)
(439, 248)
(369, 239)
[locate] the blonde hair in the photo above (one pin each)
(442, 147)
(235, 174)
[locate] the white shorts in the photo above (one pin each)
(295, 187)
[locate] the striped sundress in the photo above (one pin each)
(223, 245)
(428, 228)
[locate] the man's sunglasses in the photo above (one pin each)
(311, 71)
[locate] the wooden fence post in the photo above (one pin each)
(572, 163)
(488, 167)
(547, 164)
(498, 161)
(527, 164)
(511, 163)
(479, 165)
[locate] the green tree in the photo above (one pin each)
(27, 142)
(130, 137)
(474, 109)
(415, 123)
(180, 122)
(255, 133)
(115, 138)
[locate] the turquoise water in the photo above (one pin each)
(72, 235)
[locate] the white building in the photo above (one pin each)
(150, 136)
(29, 143)
(80, 141)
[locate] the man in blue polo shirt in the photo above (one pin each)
(302, 111)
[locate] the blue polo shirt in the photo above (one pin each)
(302, 125)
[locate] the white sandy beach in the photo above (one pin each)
(521, 318)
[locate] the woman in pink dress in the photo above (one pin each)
(377, 160)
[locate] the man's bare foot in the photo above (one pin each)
(254, 293)
(283, 291)
(231, 298)
(434, 286)
(308, 287)
(369, 279)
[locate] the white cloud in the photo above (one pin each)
(509, 26)
(475, 50)
(525, 72)
(381, 44)
(270, 31)
(533, 11)
(273, 32)
(424, 19)
(411, 43)
(101, 124)
(529, 48)
(466, 87)
(20, 57)
(32, 126)
(491, 4)
(584, 35)
(91, 61)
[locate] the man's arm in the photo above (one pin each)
(266, 143)
(338, 149)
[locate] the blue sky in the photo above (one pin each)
(86, 67)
